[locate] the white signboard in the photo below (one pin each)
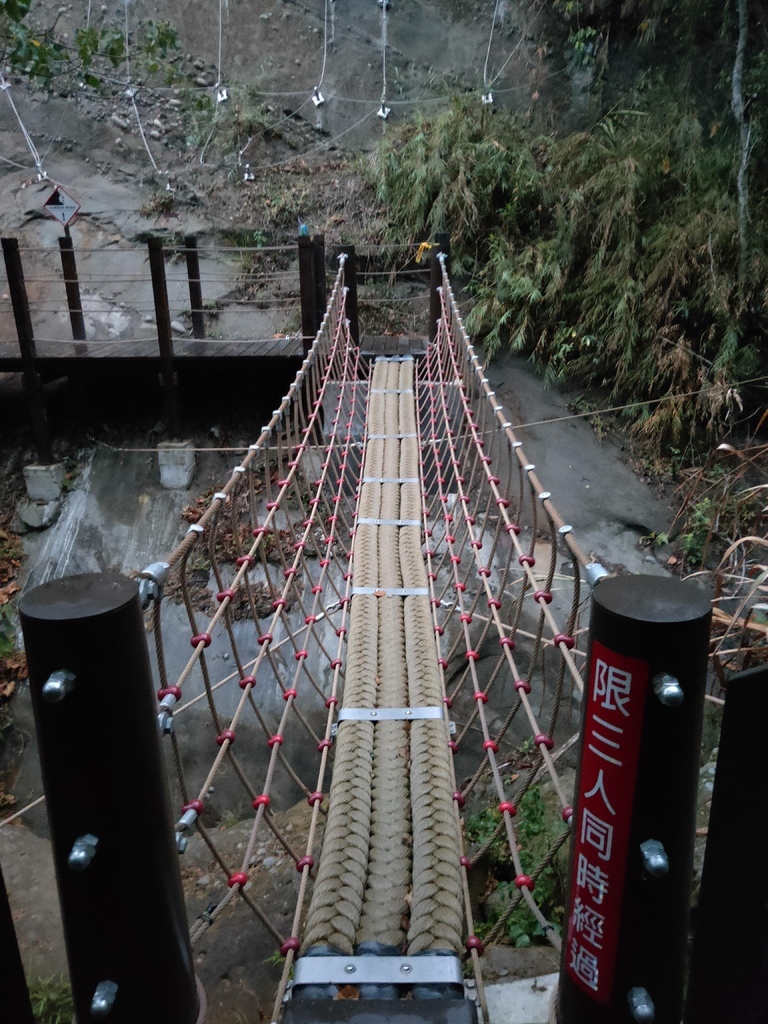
(61, 206)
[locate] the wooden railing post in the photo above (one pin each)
(321, 296)
(25, 334)
(195, 286)
(72, 287)
(308, 291)
(350, 282)
(164, 333)
(442, 245)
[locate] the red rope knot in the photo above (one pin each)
(299, 545)
(448, 702)
(476, 544)
(502, 502)
(257, 531)
(528, 560)
(434, 602)
(224, 595)
(567, 814)
(507, 641)
(459, 586)
(447, 518)
(466, 863)
(432, 576)
(352, 532)
(472, 656)
(522, 686)
(312, 501)
(315, 798)
(465, 617)
(563, 638)
(469, 520)
(341, 631)
(344, 601)
(290, 693)
(292, 464)
(544, 741)
(245, 560)
(474, 943)
(279, 603)
(301, 655)
(542, 595)
(304, 862)
(494, 480)
(272, 505)
(494, 602)
(291, 945)
(479, 442)
(325, 562)
(482, 697)
(427, 533)
(275, 741)
(310, 620)
(201, 638)
(486, 459)
(336, 499)
(317, 589)
(505, 807)
(525, 882)
(458, 797)
(324, 745)
(456, 559)
(247, 681)
(333, 519)
(347, 576)
(194, 805)
(336, 663)
(491, 745)
(450, 539)
(239, 878)
(307, 522)
(265, 638)
(169, 691)
(460, 480)
(442, 662)
(439, 630)
(444, 498)
(290, 571)
(484, 571)
(227, 736)
(332, 702)
(453, 746)
(512, 528)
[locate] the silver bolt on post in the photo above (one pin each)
(103, 999)
(641, 1006)
(655, 860)
(83, 851)
(668, 689)
(58, 685)
(350, 968)
(152, 581)
(406, 968)
(181, 842)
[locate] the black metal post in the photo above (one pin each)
(195, 286)
(321, 295)
(350, 281)
(13, 984)
(308, 291)
(107, 800)
(625, 934)
(72, 287)
(442, 245)
(25, 334)
(164, 333)
(728, 978)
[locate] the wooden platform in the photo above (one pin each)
(393, 345)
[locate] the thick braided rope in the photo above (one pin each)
(334, 913)
(389, 866)
(436, 921)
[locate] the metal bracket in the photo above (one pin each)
(390, 437)
(391, 480)
(388, 522)
(387, 714)
(378, 970)
(391, 391)
(391, 591)
(394, 359)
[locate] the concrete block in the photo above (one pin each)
(38, 515)
(177, 464)
(44, 483)
(521, 1002)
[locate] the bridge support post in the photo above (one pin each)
(164, 333)
(195, 286)
(13, 983)
(308, 291)
(108, 806)
(321, 293)
(25, 334)
(350, 282)
(729, 966)
(442, 245)
(626, 926)
(72, 287)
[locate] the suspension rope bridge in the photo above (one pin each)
(399, 562)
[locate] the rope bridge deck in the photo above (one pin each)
(400, 565)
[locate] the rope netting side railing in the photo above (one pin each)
(275, 593)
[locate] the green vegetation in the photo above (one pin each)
(631, 255)
(536, 827)
(51, 1000)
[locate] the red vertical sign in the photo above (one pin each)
(612, 731)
